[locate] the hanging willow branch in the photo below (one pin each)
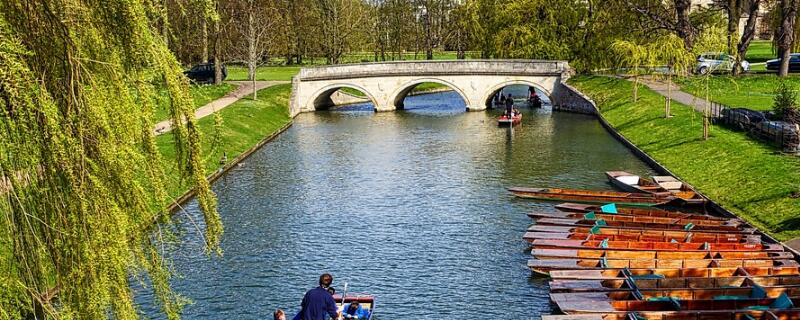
(80, 174)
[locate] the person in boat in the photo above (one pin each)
(354, 310)
(509, 106)
(318, 303)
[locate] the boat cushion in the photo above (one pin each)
(609, 208)
(590, 216)
(600, 222)
(595, 230)
(783, 302)
(604, 243)
(688, 226)
(724, 297)
(648, 276)
(758, 292)
(672, 185)
(629, 180)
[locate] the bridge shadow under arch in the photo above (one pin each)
(333, 96)
(407, 89)
(488, 99)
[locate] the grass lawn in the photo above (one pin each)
(244, 123)
(753, 91)
(201, 94)
(760, 51)
(265, 73)
(741, 174)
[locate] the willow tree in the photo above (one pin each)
(635, 58)
(669, 50)
(81, 175)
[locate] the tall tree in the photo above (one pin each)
(671, 15)
(784, 35)
(253, 33)
(338, 24)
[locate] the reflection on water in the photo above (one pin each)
(409, 206)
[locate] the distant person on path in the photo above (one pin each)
(318, 302)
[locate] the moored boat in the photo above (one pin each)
(671, 283)
(632, 183)
(590, 196)
(628, 218)
(682, 191)
(653, 246)
(598, 302)
(696, 238)
(545, 266)
(505, 121)
(677, 235)
(642, 225)
(634, 211)
(600, 253)
(638, 274)
(687, 315)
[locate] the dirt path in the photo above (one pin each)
(243, 89)
(660, 86)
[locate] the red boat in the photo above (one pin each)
(505, 121)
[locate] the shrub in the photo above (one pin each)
(785, 104)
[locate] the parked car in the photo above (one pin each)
(204, 73)
(794, 63)
(742, 118)
(712, 62)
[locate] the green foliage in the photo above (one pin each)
(79, 82)
(754, 91)
(538, 29)
(715, 167)
(785, 103)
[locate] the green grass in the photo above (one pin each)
(265, 73)
(753, 91)
(743, 175)
(244, 123)
(201, 94)
(760, 51)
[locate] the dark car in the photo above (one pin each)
(794, 63)
(204, 73)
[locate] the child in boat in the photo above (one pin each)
(354, 310)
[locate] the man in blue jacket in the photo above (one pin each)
(318, 301)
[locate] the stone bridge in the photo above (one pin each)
(476, 81)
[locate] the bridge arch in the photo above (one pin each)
(321, 100)
(402, 92)
(487, 97)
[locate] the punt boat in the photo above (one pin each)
(633, 183)
(671, 283)
(597, 302)
(545, 266)
(629, 254)
(677, 187)
(590, 196)
(626, 218)
(365, 302)
(686, 315)
(632, 211)
(505, 121)
(642, 225)
(653, 246)
(638, 274)
(697, 238)
(677, 235)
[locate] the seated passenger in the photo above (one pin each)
(355, 311)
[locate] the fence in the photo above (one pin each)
(781, 134)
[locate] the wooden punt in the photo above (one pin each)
(633, 211)
(366, 302)
(673, 283)
(792, 314)
(680, 236)
(642, 225)
(594, 302)
(678, 188)
(699, 238)
(590, 196)
(545, 266)
(625, 218)
(653, 246)
(630, 254)
(675, 273)
(633, 183)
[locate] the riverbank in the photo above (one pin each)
(744, 176)
(245, 124)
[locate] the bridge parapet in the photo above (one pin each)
(436, 67)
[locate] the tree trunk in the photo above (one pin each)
(685, 30)
(734, 10)
(217, 54)
(204, 42)
(786, 34)
(747, 35)
(252, 52)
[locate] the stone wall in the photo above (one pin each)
(567, 98)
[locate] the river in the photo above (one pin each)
(409, 206)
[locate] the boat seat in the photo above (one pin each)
(672, 185)
(629, 180)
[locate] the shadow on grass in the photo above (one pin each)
(792, 224)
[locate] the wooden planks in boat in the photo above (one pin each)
(634, 183)
(653, 212)
(792, 314)
(582, 303)
(628, 254)
(676, 273)
(654, 246)
(590, 196)
(545, 266)
(671, 283)
(696, 238)
(679, 236)
(642, 225)
(641, 219)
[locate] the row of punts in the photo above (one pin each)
(612, 255)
